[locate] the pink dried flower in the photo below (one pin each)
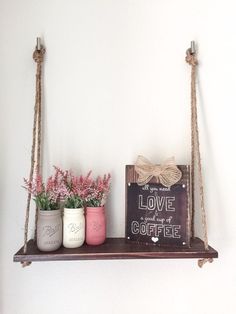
(64, 186)
(98, 191)
(73, 188)
(46, 195)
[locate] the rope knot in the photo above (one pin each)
(157, 170)
(191, 58)
(38, 55)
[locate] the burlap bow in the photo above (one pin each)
(167, 173)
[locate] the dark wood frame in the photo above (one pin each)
(132, 177)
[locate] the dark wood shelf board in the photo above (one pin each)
(115, 248)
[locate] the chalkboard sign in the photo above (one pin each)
(157, 214)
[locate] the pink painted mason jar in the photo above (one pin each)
(95, 225)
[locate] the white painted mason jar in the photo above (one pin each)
(73, 227)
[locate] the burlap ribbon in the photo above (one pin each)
(167, 174)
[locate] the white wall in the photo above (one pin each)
(116, 85)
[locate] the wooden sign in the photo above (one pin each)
(157, 214)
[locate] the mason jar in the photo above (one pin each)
(49, 230)
(73, 227)
(95, 225)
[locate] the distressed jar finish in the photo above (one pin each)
(49, 230)
(95, 225)
(73, 227)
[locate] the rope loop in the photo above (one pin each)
(38, 55)
(203, 261)
(191, 58)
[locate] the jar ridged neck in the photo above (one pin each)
(55, 212)
(95, 209)
(73, 211)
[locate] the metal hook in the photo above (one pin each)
(38, 46)
(193, 47)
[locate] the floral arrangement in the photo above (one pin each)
(98, 191)
(75, 189)
(65, 188)
(47, 196)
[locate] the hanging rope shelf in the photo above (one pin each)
(119, 248)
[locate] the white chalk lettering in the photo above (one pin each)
(151, 202)
(155, 202)
(176, 231)
(145, 187)
(140, 202)
(135, 227)
(169, 203)
(152, 229)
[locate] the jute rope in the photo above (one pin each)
(36, 143)
(191, 59)
(38, 58)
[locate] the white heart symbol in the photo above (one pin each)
(154, 239)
